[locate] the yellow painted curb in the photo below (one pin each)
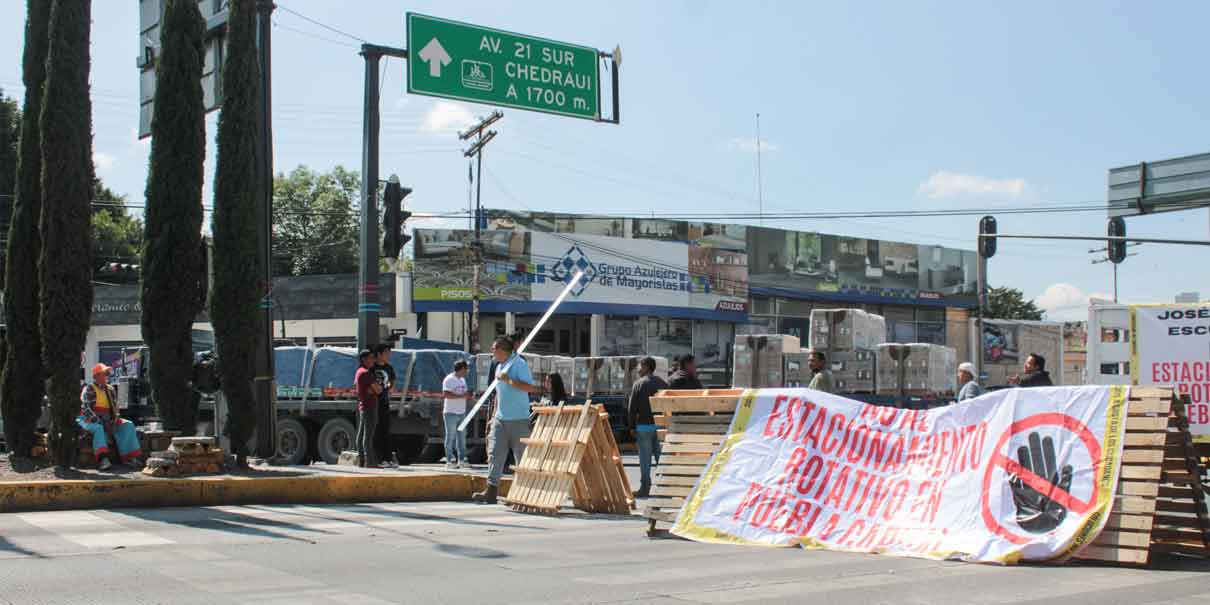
(214, 491)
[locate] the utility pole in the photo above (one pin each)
(368, 306)
(1105, 259)
(476, 151)
(264, 384)
(760, 186)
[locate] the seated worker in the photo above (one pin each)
(99, 416)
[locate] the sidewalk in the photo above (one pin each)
(316, 484)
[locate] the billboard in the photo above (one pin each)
(653, 266)
(882, 269)
(652, 262)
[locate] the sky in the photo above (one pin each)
(863, 106)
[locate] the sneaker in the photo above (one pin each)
(105, 464)
(464, 465)
(451, 465)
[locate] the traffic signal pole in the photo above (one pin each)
(368, 306)
(264, 382)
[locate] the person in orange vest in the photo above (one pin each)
(99, 416)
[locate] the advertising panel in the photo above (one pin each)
(1170, 345)
(830, 263)
(655, 267)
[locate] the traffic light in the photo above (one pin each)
(1117, 247)
(393, 218)
(987, 245)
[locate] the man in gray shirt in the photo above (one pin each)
(968, 387)
(822, 379)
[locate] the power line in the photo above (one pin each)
(312, 35)
(323, 25)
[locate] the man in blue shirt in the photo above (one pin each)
(510, 423)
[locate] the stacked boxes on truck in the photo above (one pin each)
(916, 369)
(759, 360)
(848, 337)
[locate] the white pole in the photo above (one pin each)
(491, 388)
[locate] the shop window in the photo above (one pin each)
(711, 341)
(795, 326)
(930, 314)
(902, 331)
(793, 308)
(624, 336)
(930, 332)
(669, 337)
(762, 306)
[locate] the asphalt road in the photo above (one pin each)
(466, 553)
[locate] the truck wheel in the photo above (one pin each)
(477, 454)
(432, 452)
(335, 437)
(407, 447)
(291, 440)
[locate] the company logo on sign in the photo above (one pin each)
(731, 305)
(575, 260)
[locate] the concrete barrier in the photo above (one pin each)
(214, 491)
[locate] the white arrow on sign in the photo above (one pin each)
(435, 54)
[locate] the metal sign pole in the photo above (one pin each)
(491, 388)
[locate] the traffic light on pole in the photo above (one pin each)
(987, 245)
(393, 218)
(1117, 247)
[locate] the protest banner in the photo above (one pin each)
(1019, 474)
(1170, 345)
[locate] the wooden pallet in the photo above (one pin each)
(695, 424)
(1160, 505)
(571, 451)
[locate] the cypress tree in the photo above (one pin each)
(65, 264)
(9, 118)
(234, 299)
(21, 385)
(173, 278)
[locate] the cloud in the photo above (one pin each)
(103, 161)
(1065, 302)
(446, 117)
(749, 145)
(945, 184)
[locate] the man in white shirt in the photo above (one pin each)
(454, 389)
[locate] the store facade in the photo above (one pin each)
(667, 288)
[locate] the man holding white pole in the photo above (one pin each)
(510, 424)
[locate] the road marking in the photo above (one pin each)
(91, 530)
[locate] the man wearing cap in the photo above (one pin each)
(968, 387)
(99, 416)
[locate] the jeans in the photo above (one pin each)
(455, 440)
(123, 433)
(649, 445)
(367, 423)
(503, 436)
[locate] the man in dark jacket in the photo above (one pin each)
(685, 376)
(1035, 373)
(384, 375)
(642, 421)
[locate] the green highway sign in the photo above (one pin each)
(471, 63)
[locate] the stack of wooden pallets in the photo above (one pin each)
(695, 424)
(1160, 506)
(571, 451)
(187, 456)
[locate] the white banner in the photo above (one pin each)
(1015, 474)
(1170, 346)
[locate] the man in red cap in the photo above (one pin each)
(99, 416)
